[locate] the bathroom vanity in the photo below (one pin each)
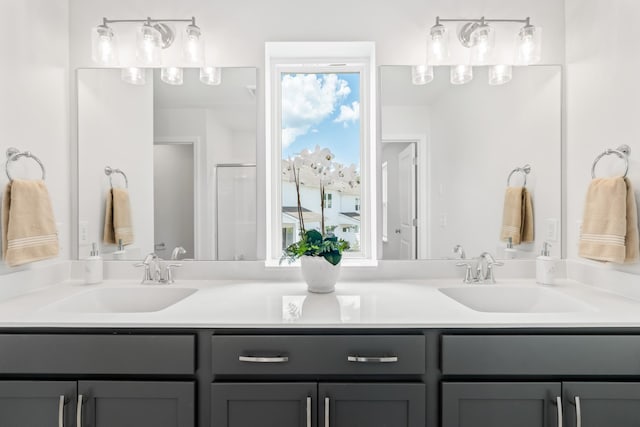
(246, 354)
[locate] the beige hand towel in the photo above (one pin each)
(517, 217)
(117, 217)
(610, 222)
(28, 225)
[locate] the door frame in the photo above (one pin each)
(198, 176)
(423, 187)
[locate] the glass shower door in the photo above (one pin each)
(236, 212)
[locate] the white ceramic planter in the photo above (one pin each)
(321, 276)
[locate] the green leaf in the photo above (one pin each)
(333, 257)
(314, 237)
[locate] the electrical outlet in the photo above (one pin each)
(551, 231)
(83, 232)
(443, 220)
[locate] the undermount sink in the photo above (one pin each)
(514, 299)
(143, 299)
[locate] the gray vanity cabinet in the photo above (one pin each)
(137, 404)
(495, 404)
(317, 404)
(598, 404)
(371, 405)
(263, 404)
(37, 403)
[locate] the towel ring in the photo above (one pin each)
(622, 151)
(109, 171)
(14, 154)
(524, 170)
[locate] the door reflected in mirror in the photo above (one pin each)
(445, 155)
(189, 154)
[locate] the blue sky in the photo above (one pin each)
(322, 109)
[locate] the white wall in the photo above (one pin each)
(34, 100)
(115, 127)
(479, 134)
(603, 90)
(237, 32)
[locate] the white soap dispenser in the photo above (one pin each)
(546, 266)
(510, 252)
(93, 267)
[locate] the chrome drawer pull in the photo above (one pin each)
(326, 411)
(79, 412)
(256, 359)
(559, 404)
(366, 359)
(578, 412)
(308, 411)
(61, 412)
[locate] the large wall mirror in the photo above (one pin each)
(188, 153)
(445, 154)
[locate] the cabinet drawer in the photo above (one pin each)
(541, 355)
(96, 354)
(319, 355)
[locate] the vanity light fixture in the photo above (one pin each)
(172, 75)
(211, 76)
(461, 74)
(152, 37)
(421, 74)
(479, 37)
(500, 74)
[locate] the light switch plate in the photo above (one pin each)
(552, 226)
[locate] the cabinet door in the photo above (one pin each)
(263, 404)
(137, 404)
(372, 405)
(599, 404)
(478, 404)
(37, 403)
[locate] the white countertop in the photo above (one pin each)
(265, 304)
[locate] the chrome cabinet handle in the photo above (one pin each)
(368, 359)
(61, 411)
(578, 412)
(79, 412)
(308, 411)
(326, 412)
(559, 405)
(257, 359)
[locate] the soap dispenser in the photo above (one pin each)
(546, 266)
(510, 252)
(93, 267)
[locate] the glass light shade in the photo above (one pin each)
(437, 45)
(133, 75)
(528, 45)
(500, 74)
(104, 46)
(193, 45)
(211, 75)
(148, 41)
(461, 74)
(483, 40)
(172, 75)
(421, 74)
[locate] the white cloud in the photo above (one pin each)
(349, 114)
(308, 99)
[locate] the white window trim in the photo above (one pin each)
(287, 56)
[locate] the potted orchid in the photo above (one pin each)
(319, 251)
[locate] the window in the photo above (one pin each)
(327, 200)
(321, 128)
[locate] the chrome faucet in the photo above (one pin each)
(155, 271)
(459, 250)
(177, 251)
(483, 271)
